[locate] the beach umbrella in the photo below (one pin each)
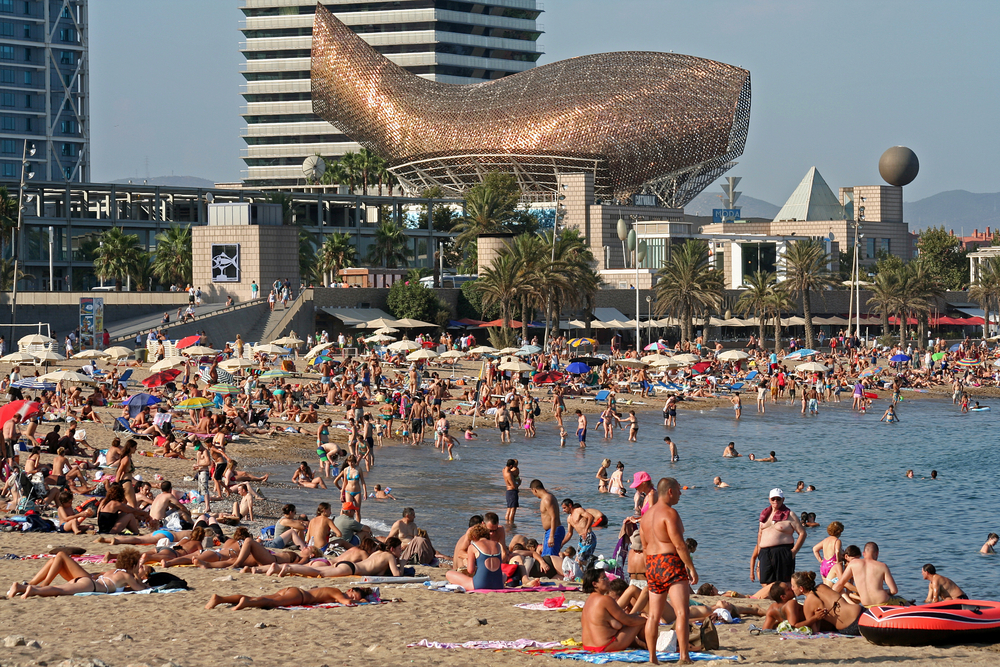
(224, 388)
(688, 358)
(483, 349)
(668, 362)
(187, 341)
(812, 366)
(317, 349)
(938, 356)
(117, 352)
(578, 368)
(968, 362)
(199, 351)
(408, 323)
(955, 348)
(650, 358)
(379, 338)
(45, 356)
(899, 357)
(422, 354)
(387, 330)
(36, 339)
(319, 360)
(509, 350)
(236, 364)
(288, 341)
(169, 362)
(34, 384)
(870, 371)
(801, 354)
(271, 349)
(577, 342)
(656, 345)
(452, 354)
(547, 376)
(91, 354)
(66, 376)
(380, 323)
(136, 403)
(17, 357)
(590, 361)
(404, 346)
(529, 349)
(732, 355)
(516, 367)
(161, 378)
(18, 409)
(194, 404)
(630, 363)
(274, 375)
(701, 367)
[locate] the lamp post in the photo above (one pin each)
(29, 151)
(649, 318)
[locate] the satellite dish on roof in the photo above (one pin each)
(313, 167)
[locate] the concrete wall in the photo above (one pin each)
(267, 253)
(61, 310)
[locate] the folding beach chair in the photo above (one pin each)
(121, 425)
(124, 379)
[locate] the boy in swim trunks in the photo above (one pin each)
(581, 428)
(668, 565)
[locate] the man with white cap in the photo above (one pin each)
(780, 535)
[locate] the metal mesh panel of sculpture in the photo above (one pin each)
(640, 121)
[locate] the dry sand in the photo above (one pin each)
(176, 627)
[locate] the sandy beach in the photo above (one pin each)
(161, 628)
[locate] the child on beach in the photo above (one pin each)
(382, 494)
(570, 568)
(470, 434)
(562, 437)
(529, 426)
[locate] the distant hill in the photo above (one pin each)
(749, 207)
(956, 210)
(172, 181)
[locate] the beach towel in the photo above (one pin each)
(87, 558)
(158, 589)
(633, 656)
(566, 605)
(490, 645)
(331, 605)
(390, 580)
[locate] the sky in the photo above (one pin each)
(834, 83)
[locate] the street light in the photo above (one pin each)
(649, 318)
(26, 173)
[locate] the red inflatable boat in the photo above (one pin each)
(935, 624)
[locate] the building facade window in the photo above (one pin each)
(67, 127)
(67, 35)
(27, 55)
(884, 246)
(26, 30)
(6, 29)
(27, 78)
(67, 173)
(7, 146)
(7, 124)
(6, 52)
(27, 101)
(7, 99)
(29, 126)
(67, 58)
(7, 169)
(6, 76)
(68, 150)
(7, 6)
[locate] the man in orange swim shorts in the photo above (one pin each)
(669, 569)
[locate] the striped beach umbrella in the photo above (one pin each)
(274, 375)
(577, 342)
(224, 388)
(968, 362)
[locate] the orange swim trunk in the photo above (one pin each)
(663, 571)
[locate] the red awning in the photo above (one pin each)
(468, 321)
(499, 323)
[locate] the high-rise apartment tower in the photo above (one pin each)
(44, 78)
(452, 41)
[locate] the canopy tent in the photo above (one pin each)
(359, 317)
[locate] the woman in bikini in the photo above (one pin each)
(303, 476)
(250, 553)
(351, 481)
(185, 545)
(79, 580)
(293, 597)
(322, 438)
(229, 549)
(824, 609)
(602, 476)
(615, 484)
(123, 475)
(828, 552)
(114, 515)
(380, 563)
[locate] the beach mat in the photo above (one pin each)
(144, 592)
(526, 589)
(633, 656)
(332, 605)
(490, 645)
(390, 580)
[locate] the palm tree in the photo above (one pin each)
(760, 285)
(807, 269)
(777, 302)
(335, 174)
(351, 163)
(499, 285)
(919, 288)
(307, 252)
(391, 246)
(117, 257)
(687, 285)
(7, 275)
(885, 295)
(143, 272)
(487, 210)
(986, 290)
(172, 260)
(535, 267)
(336, 253)
(569, 280)
(8, 216)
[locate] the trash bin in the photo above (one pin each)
(140, 354)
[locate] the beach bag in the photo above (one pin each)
(165, 581)
(267, 533)
(709, 635)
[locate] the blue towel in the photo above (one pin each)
(633, 656)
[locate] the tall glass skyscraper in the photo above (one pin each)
(44, 78)
(452, 41)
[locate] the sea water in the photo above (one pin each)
(856, 463)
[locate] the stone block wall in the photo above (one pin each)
(267, 253)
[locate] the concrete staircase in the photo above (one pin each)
(260, 333)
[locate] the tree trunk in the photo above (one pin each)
(986, 320)
(885, 322)
(777, 333)
(902, 329)
(524, 320)
(548, 320)
(807, 314)
(687, 327)
(762, 324)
